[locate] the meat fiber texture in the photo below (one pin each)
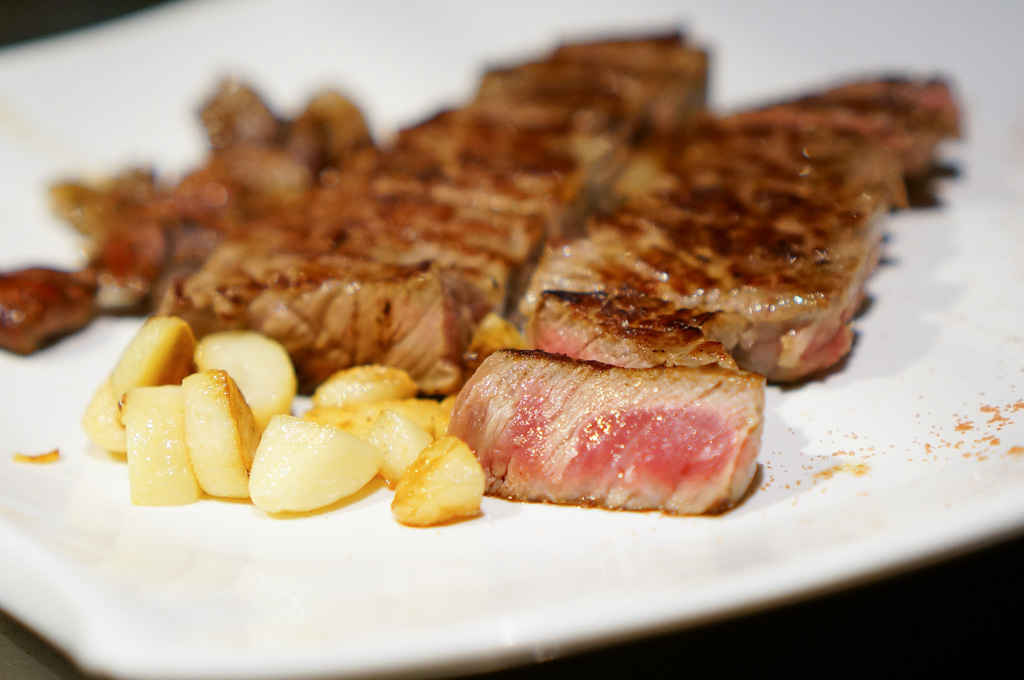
(770, 218)
(774, 231)
(472, 194)
(586, 194)
(330, 311)
(678, 439)
(906, 117)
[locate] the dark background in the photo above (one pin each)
(959, 617)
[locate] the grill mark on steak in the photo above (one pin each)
(585, 192)
(476, 191)
(328, 310)
(774, 228)
(905, 117)
(627, 329)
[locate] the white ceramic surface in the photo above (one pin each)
(912, 450)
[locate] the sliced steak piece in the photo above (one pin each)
(626, 329)
(546, 137)
(770, 217)
(671, 72)
(501, 159)
(409, 228)
(332, 312)
(549, 428)
(598, 99)
(906, 117)
(775, 230)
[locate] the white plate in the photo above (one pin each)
(912, 450)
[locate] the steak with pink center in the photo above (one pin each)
(653, 448)
(679, 439)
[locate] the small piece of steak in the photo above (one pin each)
(332, 312)
(626, 329)
(625, 87)
(681, 439)
(906, 117)
(490, 248)
(38, 305)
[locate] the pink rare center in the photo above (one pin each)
(660, 448)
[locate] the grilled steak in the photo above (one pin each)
(331, 311)
(626, 329)
(354, 278)
(145, 235)
(775, 230)
(474, 192)
(905, 117)
(648, 247)
(769, 217)
(549, 428)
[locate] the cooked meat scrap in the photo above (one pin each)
(775, 230)
(549, 428)
(332, 312)
(144, 233)
(38, 305)
(137, 235)
(261, 164)
(95, 210)
(237, 116)
(626, 329)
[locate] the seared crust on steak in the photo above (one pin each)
(626, 329)
(663, 260)
(679, 439)
(906, 117)
(593, 161)
(475, 192)
(774, 230)
(331, 312)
